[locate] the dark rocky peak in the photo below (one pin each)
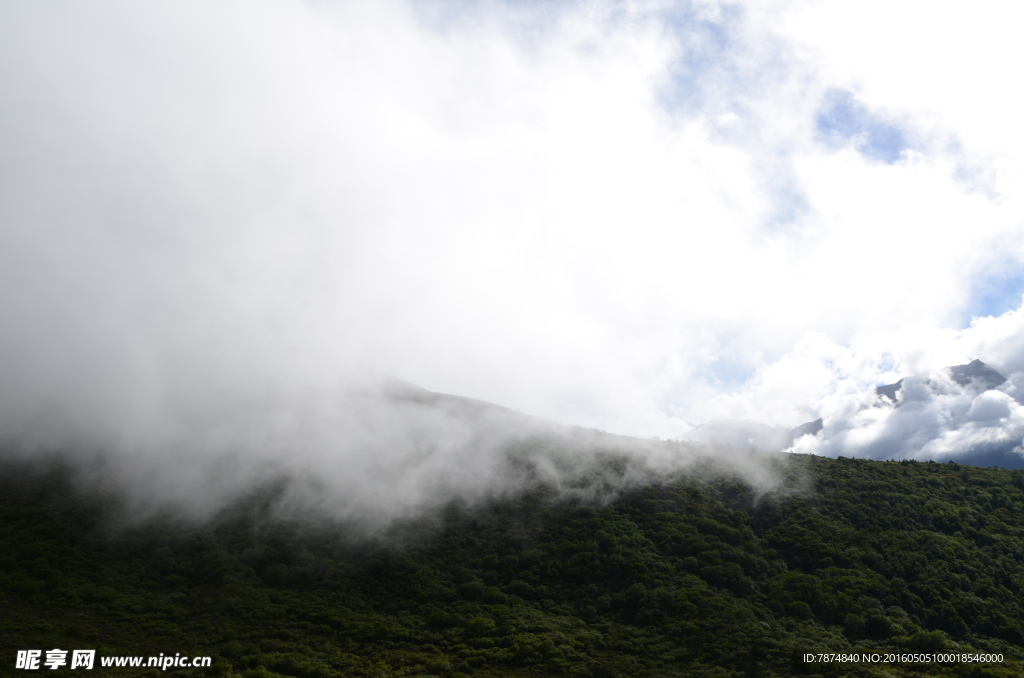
(889, 390)
(811, 427)
(976, 373)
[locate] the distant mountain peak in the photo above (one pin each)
(810, 428)
(974, 374)
(889, 390)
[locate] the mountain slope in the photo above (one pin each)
(679, 577)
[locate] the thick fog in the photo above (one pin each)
(221, 227)
(368, 454)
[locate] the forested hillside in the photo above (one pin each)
(690, 577)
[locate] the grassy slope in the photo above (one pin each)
(685, 578)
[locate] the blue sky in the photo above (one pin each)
(994, 295)
(845, 121)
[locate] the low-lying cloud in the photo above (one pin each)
(371, 455)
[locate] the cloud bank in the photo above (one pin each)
(630, 216)
(936, 416)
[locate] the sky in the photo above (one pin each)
(631, 216)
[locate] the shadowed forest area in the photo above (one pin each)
(692, 576)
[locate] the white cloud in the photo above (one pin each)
(936, 418)
(619, 217)
(942, 64)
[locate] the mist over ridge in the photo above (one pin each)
(381, 451)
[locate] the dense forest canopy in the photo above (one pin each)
(695, 575)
